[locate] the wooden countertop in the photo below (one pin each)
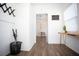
(70, 33)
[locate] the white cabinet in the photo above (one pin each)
(70, 12)
(71, 17)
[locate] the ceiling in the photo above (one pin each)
(61, 6)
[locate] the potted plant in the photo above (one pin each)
(64, 28)
(15, 47)
(15, 34)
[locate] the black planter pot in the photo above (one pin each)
(15, 47)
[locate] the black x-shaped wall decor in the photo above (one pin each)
(5, 9)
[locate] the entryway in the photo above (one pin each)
(41, 26)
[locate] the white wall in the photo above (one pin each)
(6, 24)
(32, 27)
(70, 17)
(53, 26)
(25, 26)
(24, 23)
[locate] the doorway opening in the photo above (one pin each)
(41, 27)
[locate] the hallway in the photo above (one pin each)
(41, 48)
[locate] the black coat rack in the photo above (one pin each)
(7, 9)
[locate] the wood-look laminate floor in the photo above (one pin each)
(41, 48)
